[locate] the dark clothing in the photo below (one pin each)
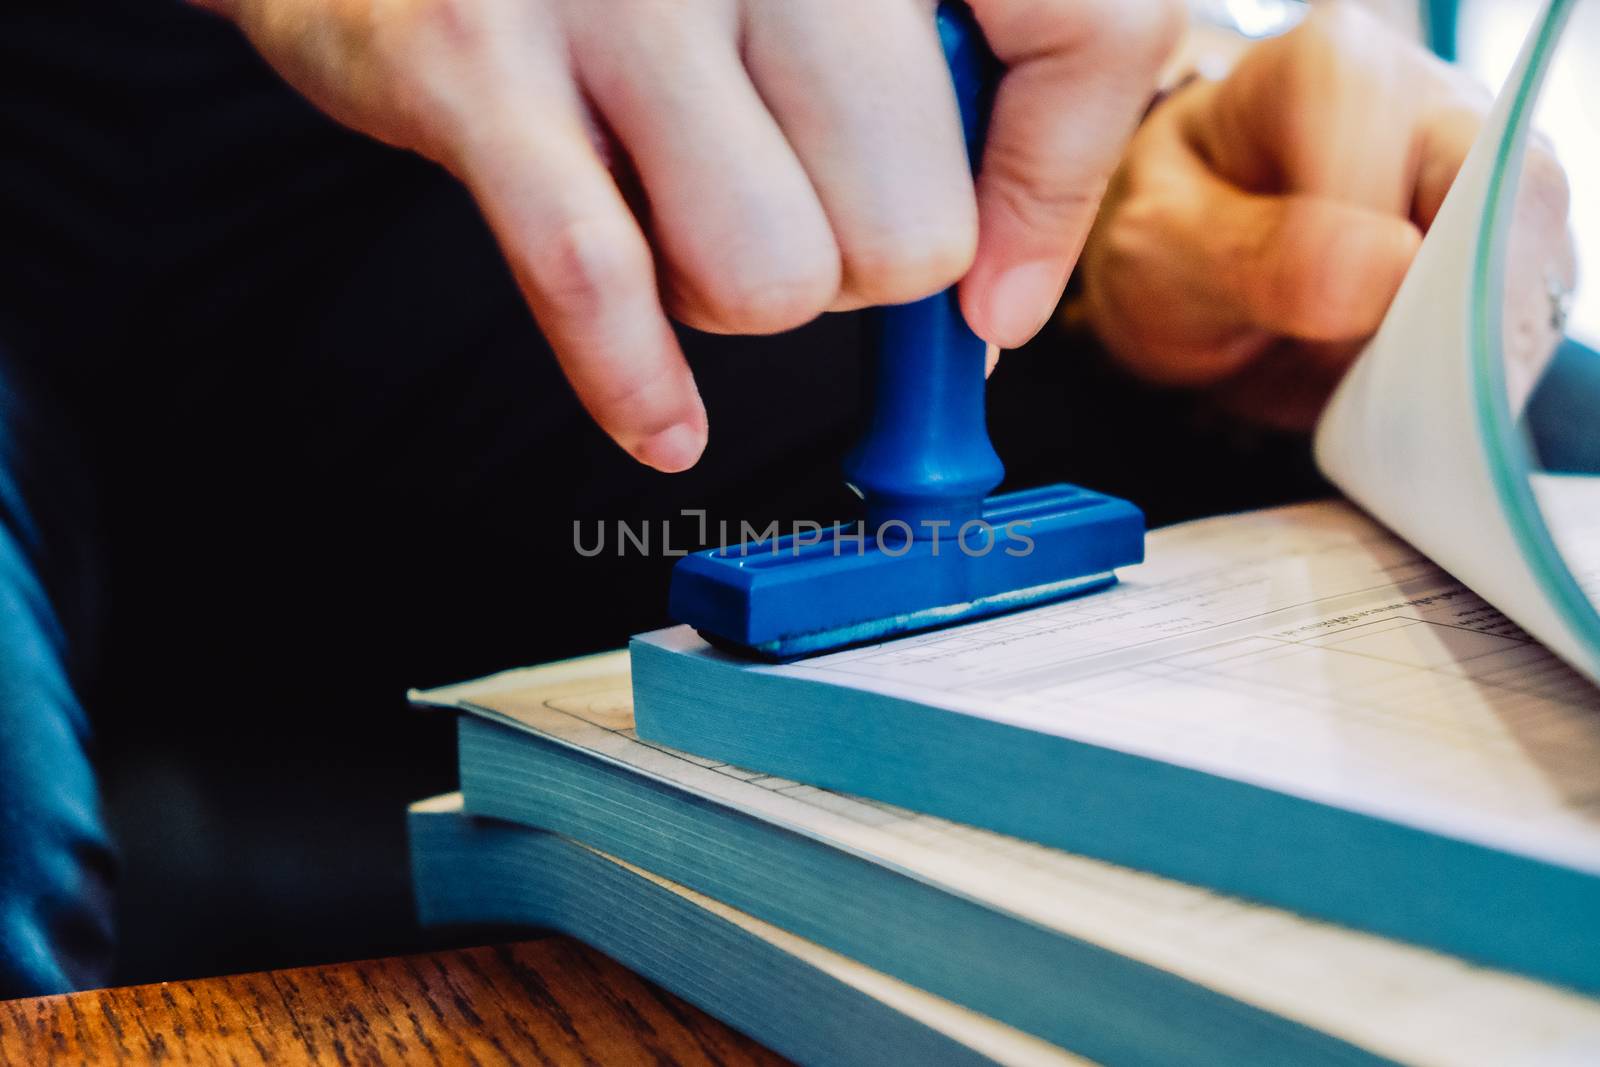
(279, 439)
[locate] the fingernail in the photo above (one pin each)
(1021, 301)
(677, 448)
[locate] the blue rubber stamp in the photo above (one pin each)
(934, 547)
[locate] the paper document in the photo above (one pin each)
(1302, 649)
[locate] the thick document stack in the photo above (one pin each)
(1292, 706)
(1212, 704)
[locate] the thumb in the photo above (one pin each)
(1078, 75)
(1306, 267)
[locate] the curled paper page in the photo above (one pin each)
(1422, 432)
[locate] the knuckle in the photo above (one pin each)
(1301, 282)
(765, 300)
(633, 399)
(1169, 21)
(421, 58)
(897, 266)
(1343, 27)
(406, 32)
(586, 266)
(1288, 278)
(406, 27)
(1035, 202)
(1342, 47)
(1141, 33)
(1134, 234)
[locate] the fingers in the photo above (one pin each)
(830, 172)
(1259, 228)
(1190, 278)
(1299, 266)
(1327, 109)
(1078, 76)
(863, 94)
(454, 80)
(1305, 267)
(744, 242)
(583, 265)
(1343, 107)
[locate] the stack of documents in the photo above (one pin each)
(1239, 716)
(1291, 706)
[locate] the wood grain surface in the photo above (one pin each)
(551, 1001)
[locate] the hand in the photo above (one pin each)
(784, 157)
(1259, 227)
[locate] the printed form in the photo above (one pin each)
(1302, 649)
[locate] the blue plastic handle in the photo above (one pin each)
(925, 458)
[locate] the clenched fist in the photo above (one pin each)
(1259, 226)
(742, 165)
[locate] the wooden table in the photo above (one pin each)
(551, 1001)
